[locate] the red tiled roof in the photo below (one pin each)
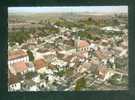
(19, 66)
(39, 63)
(83, 43)
(16, 54)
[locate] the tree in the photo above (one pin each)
(81, 83)
(115, 22)
(19, 76)
(30, 54)
(30, 75)
(115, 80)
(89, 19)
(19, 37)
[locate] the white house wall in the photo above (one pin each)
(23, 59)
(15, 87)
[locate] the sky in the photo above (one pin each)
(110, 9)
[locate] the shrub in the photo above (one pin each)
(81, 83)
(19, 37)
(60, 73)
(115, 80)
(30, 75)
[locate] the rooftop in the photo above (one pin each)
(16, 54)
(19, 67)
(83, 43)
(101, 71)
(39, 63)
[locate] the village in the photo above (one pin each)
(66, 61)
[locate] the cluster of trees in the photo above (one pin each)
(60, 73)
(87, 35)
(30, 75)
(118, 80)
(18, 37)
(64, 23)
(110, 33)
(87, 24)
(79, 23)
(121, 62)
(67, 72)
(80, 84)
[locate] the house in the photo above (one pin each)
(51, 79)
(17, 56)
(71, 64)
(104, 42)
(42, 84)
(43, 50)
(31, 45)
(50, 58)
(59, 63)
(104, 73)
(34, 88)
(93, 46)
(124, 44)
(27, 84)
(18, 67)
(84, 45)
(50, 52)
(72, 58)
(48, 72)
(110, 28)
(84, 68)
(40, 65)
(36, 79)
(101, 55)
(60, 55)
(82, 56)
(124, 53)
(14, 83)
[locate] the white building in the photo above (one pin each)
(17, 56)
(83, 45)
(13, 83)
(34, 88)
(36, 79)
(110, 28)
(15, 87)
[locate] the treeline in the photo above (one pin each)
(88, 22)
(86, 35)
(18, 37)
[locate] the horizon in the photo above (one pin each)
(71, 9)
